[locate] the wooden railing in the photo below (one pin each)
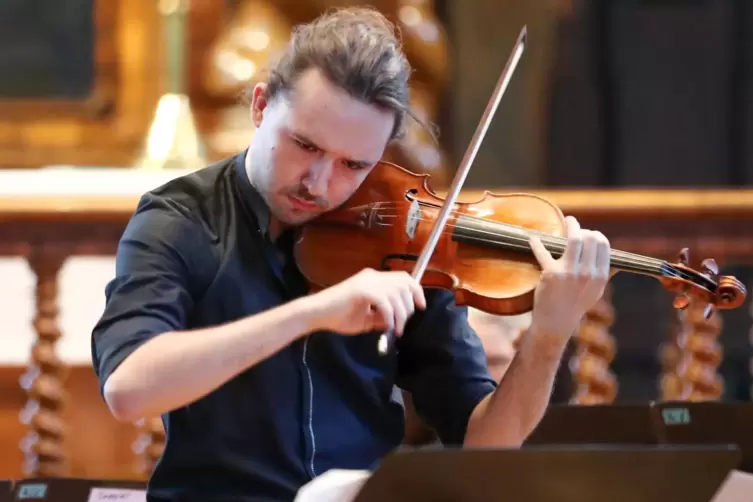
(48, 228)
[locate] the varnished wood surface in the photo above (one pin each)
(713, 223)
(656, 202)
(98, 446)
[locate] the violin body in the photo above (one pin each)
(479, 250)
(387, 223)
(483, 253)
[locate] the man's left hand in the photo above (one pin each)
(572, 284)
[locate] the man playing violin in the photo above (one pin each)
(263, 386)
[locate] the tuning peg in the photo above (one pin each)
(681, 302)
(708, 311)
(709, 267)
(684, 256)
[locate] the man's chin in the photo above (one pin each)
(297, 218)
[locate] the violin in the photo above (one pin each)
(478, 250)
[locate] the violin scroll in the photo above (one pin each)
(718, 292)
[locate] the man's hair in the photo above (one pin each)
(357, 49)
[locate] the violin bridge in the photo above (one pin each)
(414, 216)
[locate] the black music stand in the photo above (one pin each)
(616, 423)
(708, 422)
(575, 474)
(67, 489)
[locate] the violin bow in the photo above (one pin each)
(462, 171)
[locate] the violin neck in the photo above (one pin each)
(504, 237)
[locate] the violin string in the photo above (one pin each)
(628, 266)
(522, 245)
(520, 242)
(652, 265)
(518, 239)
(624, 260)
(553, 241)
(666, 270)
(562, 240)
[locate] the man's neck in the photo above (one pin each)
(275, 227)
(247, 167)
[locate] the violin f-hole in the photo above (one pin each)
(433, 277)
(384, 265)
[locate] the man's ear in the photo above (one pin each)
(258, 103)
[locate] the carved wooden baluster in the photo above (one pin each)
(670, 384)
(750, 362)
(700, 355)
(595, 349)
(43, 382)
(143, 441)
(149, 445)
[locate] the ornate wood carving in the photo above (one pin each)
(43, 445)
(149, 445)
(670, 385)
(240, 57)
(595, 349)
(97, 446)
(750, 339)
(48, 229)
(258, 32)
(255, 35)
(697, 357)
(425, 43)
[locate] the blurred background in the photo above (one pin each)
(634, 115)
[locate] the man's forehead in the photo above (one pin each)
(337, 122)
(315, 95)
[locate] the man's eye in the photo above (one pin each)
(305, 146)
(352, 165)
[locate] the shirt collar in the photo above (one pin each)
(250, 196)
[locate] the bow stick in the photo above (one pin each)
(462, 171)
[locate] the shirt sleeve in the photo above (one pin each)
(157, 275)
(442, 363)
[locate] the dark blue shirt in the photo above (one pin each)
(196, 254)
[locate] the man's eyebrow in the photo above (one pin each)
(305, 139)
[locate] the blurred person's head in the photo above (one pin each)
(500, 336)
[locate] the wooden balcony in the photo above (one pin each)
(50, 215)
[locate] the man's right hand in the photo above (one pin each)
(369, 301)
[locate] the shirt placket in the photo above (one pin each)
(294, 286)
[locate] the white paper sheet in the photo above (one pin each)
(116, 495)
(737, 488)
(336, 485)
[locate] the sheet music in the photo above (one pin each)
(116, 495)
(336, 485)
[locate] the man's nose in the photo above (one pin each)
(317, 179)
